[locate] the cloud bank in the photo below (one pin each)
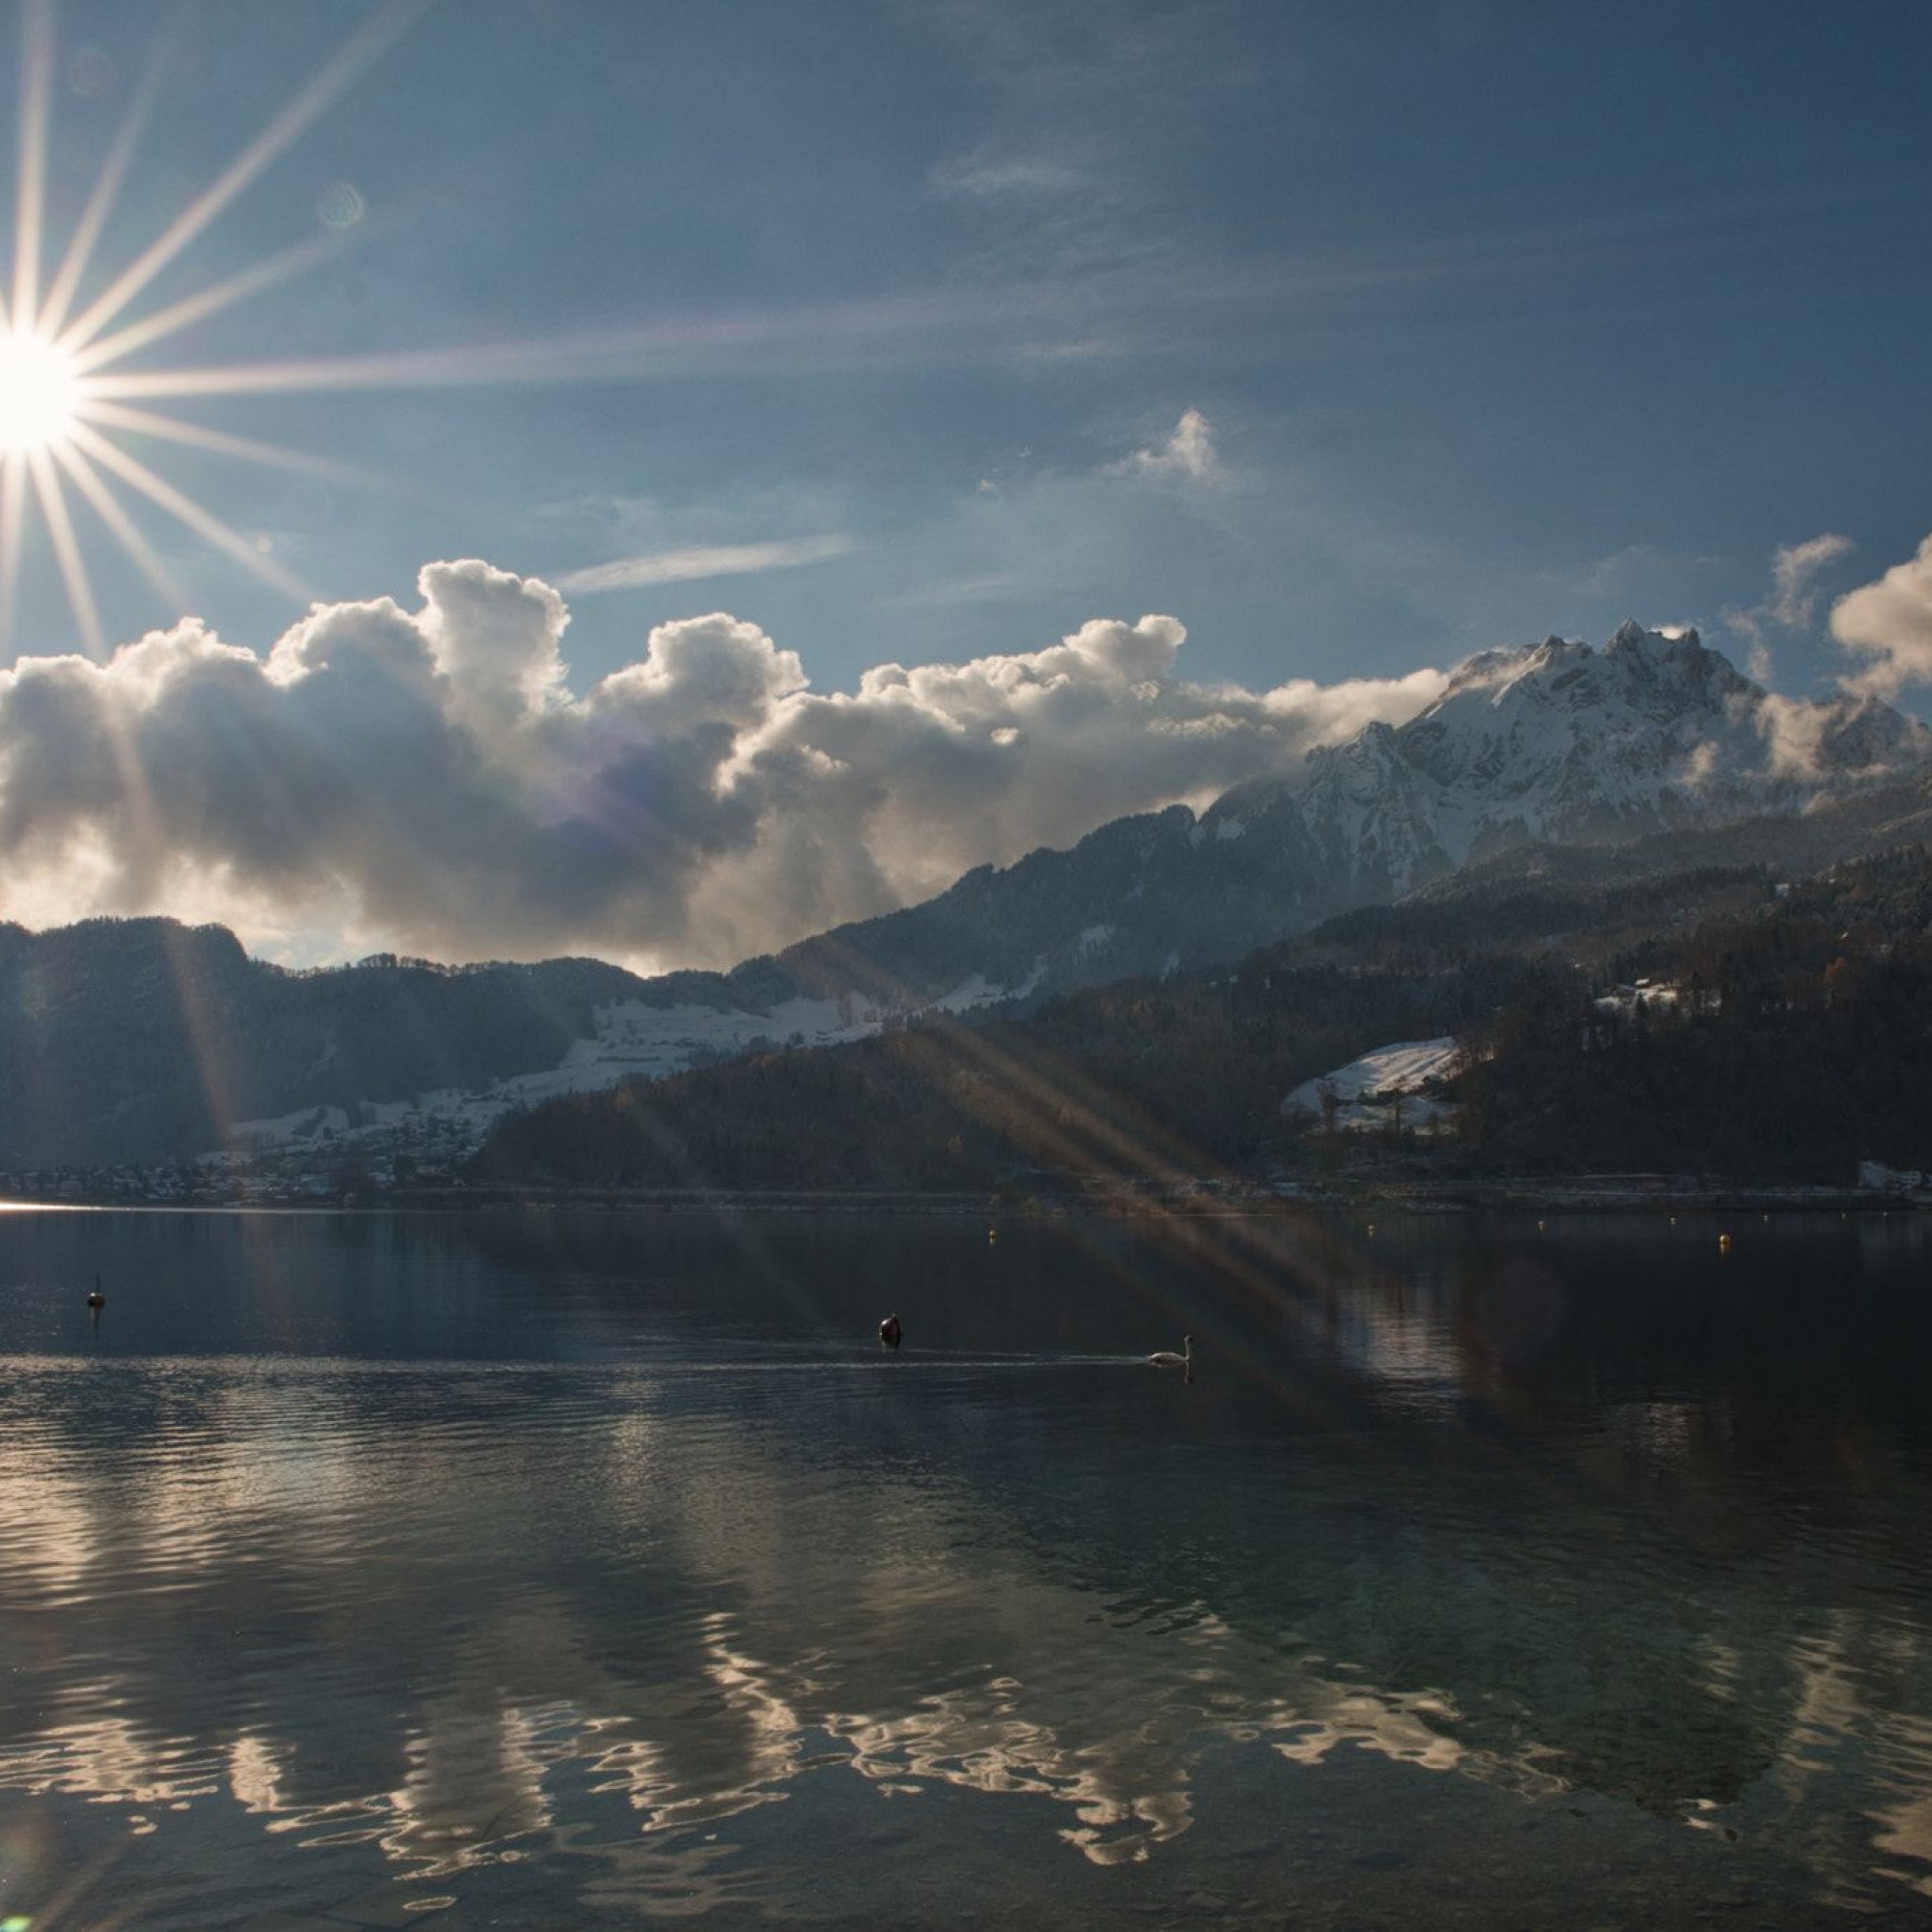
(428, 780)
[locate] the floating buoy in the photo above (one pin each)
(1723, 1244)
(95, 1300)
(889, 1331)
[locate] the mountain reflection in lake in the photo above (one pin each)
(554, 1569)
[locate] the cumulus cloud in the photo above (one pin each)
(1889, 621)
(428, 780)
(1188, 454)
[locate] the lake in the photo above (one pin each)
(558, 1569)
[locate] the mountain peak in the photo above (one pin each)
(1631, 636)
(1564, 740)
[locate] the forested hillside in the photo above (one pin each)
(1802, 1042)
(132, 1039)
(1135, 1079)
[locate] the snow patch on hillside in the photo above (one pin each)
(1367, 1089)
(309, 1124)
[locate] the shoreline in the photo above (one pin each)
(1577, 1194)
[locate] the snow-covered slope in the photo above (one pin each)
(1565, 742)
(1363, 1094)
(632, 1040)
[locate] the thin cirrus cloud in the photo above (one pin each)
(696, 562)
(1791, 601)
(431, 776)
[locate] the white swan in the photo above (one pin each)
(1166, 1358)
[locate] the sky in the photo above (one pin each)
(783, 384)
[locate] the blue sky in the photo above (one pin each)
(1355, 337)
(1503, 319)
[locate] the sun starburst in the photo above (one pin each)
(62, 419)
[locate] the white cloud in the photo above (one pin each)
(697, 562)
(1791, 603)
(1637, 570)
(984, 175)
(1190, 453)
(1891, 621)
(430, 779)
(1794, 593)
(1794, 732)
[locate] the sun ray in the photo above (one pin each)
(36, 67)
(186, 510)
(213, 300)
(380, 30)
(87, 231)
(406, 369)
(248, 448)
(67, 550)
(107, 507)
(12, 520)
(666, 346)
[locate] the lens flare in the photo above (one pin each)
(38, 392)
(55, 417)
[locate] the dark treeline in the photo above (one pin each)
(137, 1040)
(1136, 1079)
(1801, 1041)
(1588, 919)
(1798, 1048)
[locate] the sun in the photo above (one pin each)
(71, 397)
(40, 391)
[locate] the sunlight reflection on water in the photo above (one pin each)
(645, 1597)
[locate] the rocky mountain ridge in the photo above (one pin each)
(1557, 743)
(1565, 743)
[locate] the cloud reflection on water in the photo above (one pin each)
(270, 1508)
(472, 1614)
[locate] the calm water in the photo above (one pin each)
(545, 1570)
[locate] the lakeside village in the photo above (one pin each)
(1382, 1125)
(252, 1180)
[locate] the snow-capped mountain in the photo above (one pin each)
(1560, 742)
(1564, 742)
